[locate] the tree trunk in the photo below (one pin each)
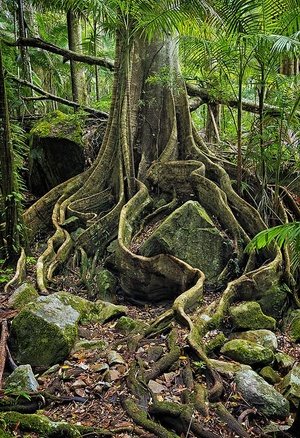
(77, 73)
(9, 190)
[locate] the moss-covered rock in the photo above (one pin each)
(24, 294)
(125, 324)
(44, 332)
(273, 301)
(22, 379)
(257, 392)
(106, 284)
(93, 344)
(228, 369)
(293, 325)
(270, 375)
(290, 385)
(190, 234)
(263, 337)
(250, 316)
(56, 150)
(247, 352)
(284, 361)
(99, 311)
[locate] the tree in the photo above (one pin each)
(150, 135)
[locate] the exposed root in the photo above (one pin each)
(3, 342)
(140, 417)
(20, 273)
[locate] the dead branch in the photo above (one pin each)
(67, 54)
(58, 99)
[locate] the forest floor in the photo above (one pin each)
(96, 383)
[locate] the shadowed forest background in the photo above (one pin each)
(149, 218)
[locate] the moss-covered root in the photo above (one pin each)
(140, 417)
(162, 364)
(231, 422)
(181, 417)
(46, 428)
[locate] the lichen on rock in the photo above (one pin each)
(22, 379)
(263, 337)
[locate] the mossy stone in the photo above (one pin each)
(22, 379)
(125, 324)
(93, 344)
(270, 375)
(290, 385)
(247, 352)
(190, 234)
(250, 316)
(106, 284)
(284, 361)
(99, 311)
(44, 332)
(24, 294)
(273, 301)
(228, 369)
(56, 150)
(294, 325)
(263, 337)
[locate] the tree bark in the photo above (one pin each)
(9, 190)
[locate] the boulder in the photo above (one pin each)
(257, 392)
(250, 316)
(247, 352)
(125, 324)
(290, 386)
(98, 311)
(273, 301)
(266, 338)
(56, 150)
(24, 294)
(44, 332)
(22, 380)
(190, 234)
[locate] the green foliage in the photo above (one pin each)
(288, 234)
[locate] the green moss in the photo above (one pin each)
(247, 352)
(273, 301)
(95, 344)
(294, 325)
(270, 375)
(250, 316)
(125, 324)
(24, 294)
(106, 285)
(215, 343)
(58, 124)
(39, 424)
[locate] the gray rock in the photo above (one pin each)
(273, 301)
(44, 332)
(266, 338)
(247, 352)
(22, 379)
(190, 234)
(257, 392)
(250, 316)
